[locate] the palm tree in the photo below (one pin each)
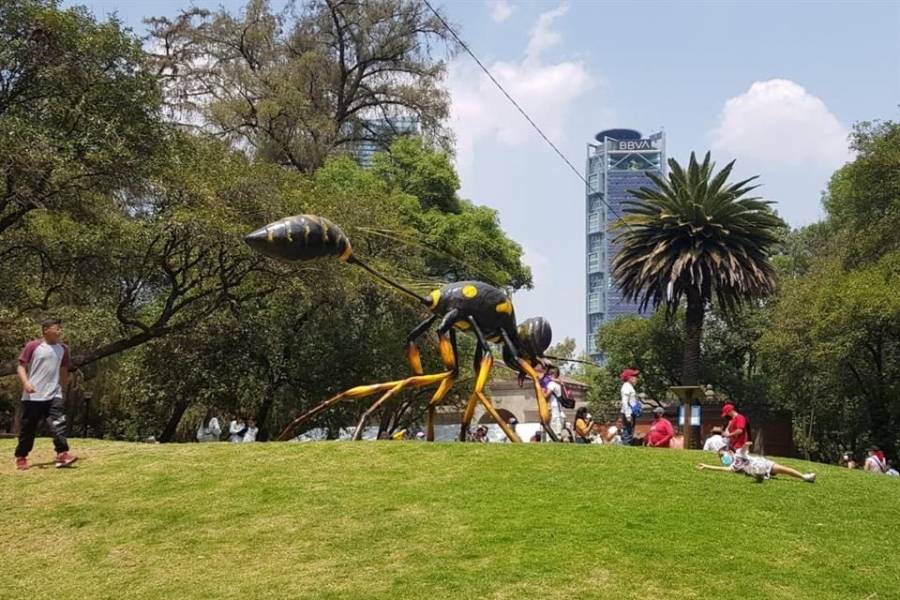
(695, 237)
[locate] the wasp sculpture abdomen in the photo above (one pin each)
(301, 237)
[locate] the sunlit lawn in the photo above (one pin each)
(416, 520)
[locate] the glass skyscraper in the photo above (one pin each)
(618, 162)
(383, 132)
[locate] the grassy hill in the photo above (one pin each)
(415, 520)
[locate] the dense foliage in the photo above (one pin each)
(128, 224)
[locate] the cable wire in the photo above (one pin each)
(516, 104)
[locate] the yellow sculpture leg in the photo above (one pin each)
(361, 391)
(417, 381)
(447, 355)
(478, 396)
(357, 433)
(543, 408)
(435, 400)
(415, 359)
(486, 363)
(503, 424)
(467, 417)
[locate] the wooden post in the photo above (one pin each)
(688, 432)
(687, 393)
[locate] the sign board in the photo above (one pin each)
(632, 145)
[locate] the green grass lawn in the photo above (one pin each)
(416, 520)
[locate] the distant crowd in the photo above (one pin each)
(240, 430)
(874, 462)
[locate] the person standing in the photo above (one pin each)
(43, 370)
(629, 398)
(661, 432)
(553, 393)
(736, 433)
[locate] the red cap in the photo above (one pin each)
(727, 409)
(629, 373)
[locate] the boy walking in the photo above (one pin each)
(43, 370)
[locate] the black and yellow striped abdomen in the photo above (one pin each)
(301, 237)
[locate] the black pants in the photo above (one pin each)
(50, 411)
(627, 432)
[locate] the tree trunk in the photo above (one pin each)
(690, 367)
(262, 416)
(168, 433)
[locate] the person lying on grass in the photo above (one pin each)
(758, 467)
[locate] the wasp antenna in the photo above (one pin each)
(578, 360)
(353, 260)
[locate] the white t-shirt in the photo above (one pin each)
(234, 429)
(250, 436)
(629, 397)
(555, 391)
(209, 432)
(613, 434)
(714, 443)
(873, 463)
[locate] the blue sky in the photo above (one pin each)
(775, 85)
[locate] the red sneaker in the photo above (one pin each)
(64, 459)
(21, 463)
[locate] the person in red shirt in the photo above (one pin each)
(736, 432)
(661, 432)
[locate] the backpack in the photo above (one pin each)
(566, 399)
(636, 410)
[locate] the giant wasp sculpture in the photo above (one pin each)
(469, 306)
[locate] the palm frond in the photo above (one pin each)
(695, 230)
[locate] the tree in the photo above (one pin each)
(696, 237)
(153, 260)
(862, 196)
(833, 347)
(649, 344)
(297, 87)
(458, 239)
(78, 111)
(834, 353)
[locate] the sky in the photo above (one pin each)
(775, 85)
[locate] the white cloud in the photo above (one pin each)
(545, 90)
(501, 10)
(777, 122)
(542, 36)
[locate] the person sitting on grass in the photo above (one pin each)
(715, 441)
(613, 433)
(236, 430)
(677, 442)
(758, 467)
(875, 461)
(661, 432)
(847, 461)
(584, 426)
